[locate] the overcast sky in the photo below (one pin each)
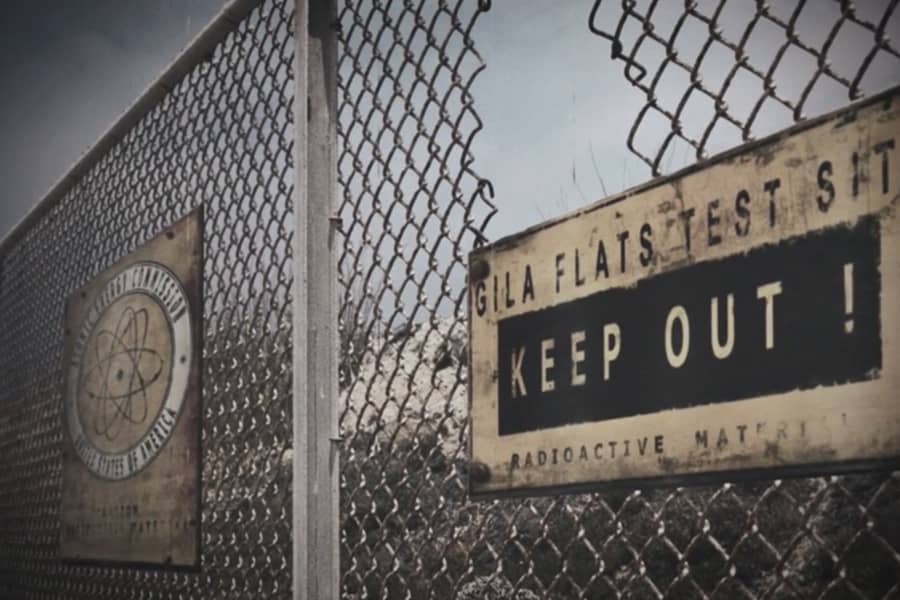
(556, 109)
(68, 69)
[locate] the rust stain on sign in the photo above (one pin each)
(131, 459)
(734, 317)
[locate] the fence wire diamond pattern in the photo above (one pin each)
(221, 139)
(412, 206)
(712, 71)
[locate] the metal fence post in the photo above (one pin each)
(316, 465)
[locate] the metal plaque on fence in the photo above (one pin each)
(740, 315)
(131, 460)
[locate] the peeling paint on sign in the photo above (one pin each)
(733, 318)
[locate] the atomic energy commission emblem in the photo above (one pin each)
(131, 406)
(129, 371)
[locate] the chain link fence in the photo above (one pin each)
(713, 74)
(220, 137)
(412, 204)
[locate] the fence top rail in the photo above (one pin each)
(197, 51)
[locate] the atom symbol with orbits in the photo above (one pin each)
(124, 369)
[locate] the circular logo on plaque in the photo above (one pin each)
(129, 371)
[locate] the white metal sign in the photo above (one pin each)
(735, 317)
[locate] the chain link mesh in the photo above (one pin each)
(412, 206)
(221, 139)
(714, 73)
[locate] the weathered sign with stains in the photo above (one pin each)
(131, 456)
(739, 316)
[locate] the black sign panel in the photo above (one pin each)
(736, 318)
(804, 313)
